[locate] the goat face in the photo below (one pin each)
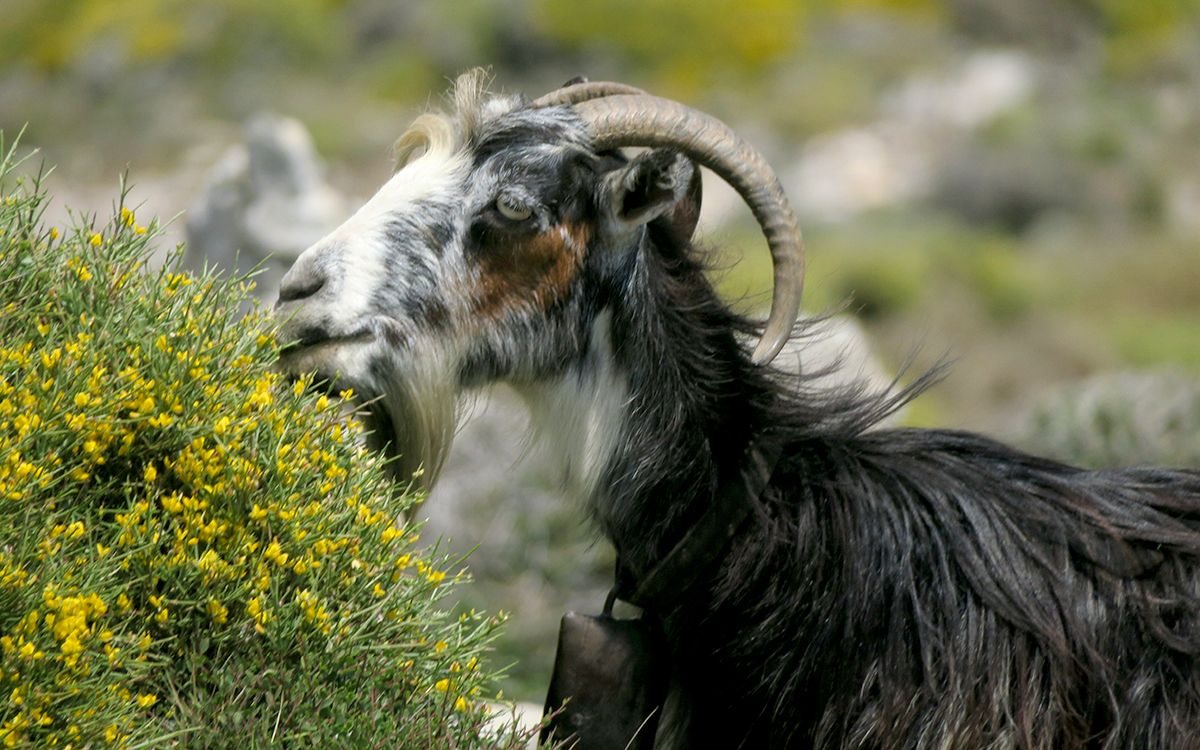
(486, 258)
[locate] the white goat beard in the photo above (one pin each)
(420, 405)
(578, 421)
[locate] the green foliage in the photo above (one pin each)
(1125, 419)
(1142, 35)
(687, 47)
(192, 552)
(53, 34)
(1156, 340)
(683, 46)
(888, 265)
(681, 41)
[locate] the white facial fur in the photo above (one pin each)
(360, 270)
(354, 257)
(577, 417)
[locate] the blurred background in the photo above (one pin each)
(1014, 184)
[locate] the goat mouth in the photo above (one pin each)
(314, 340)
(381, 431)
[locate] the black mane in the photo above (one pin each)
(897, 588)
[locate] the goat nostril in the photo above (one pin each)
(301, 289)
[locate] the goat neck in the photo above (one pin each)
(663, 399)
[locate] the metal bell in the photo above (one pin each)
(609, 683)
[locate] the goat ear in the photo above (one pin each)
(686, 213)
(651, 185)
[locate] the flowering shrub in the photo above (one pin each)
(194, 552)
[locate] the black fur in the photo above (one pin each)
(897, 588)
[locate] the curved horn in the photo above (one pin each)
(584, 91)
(643, 120)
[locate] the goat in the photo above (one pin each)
(892, 588)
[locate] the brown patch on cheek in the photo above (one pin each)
(522, 271)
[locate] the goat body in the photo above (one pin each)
(896, 588)
(892, 588)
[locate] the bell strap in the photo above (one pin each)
(705, 542)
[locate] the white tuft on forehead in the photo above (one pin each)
(474, 105)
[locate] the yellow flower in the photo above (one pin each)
(275, 554)
(217, 611)
(95, 239)
(71, 647)
(460, 704)
(258, 613)
(151, 473)
(29, 652)
(146, 700)
(442, 685)
(440, 646)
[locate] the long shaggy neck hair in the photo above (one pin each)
(895, 588)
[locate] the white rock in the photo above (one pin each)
(987, 84)
(518, 717)
(841, 351)
(1183, 204)
(896, 158)
(842, 174)
(264, 202)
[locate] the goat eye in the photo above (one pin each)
(510, 209)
